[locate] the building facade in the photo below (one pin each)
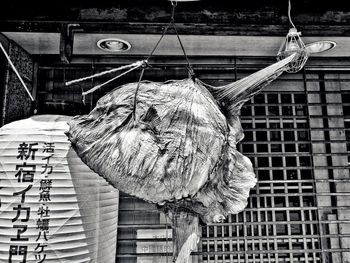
(297, 130)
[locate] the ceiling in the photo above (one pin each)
(205, 17)
(207, 27)
(195, 45)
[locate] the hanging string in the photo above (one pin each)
(160, 39)
(92, 82)
(289, 9)
(143, 68)
(189, 66)
(133, 66)
(172, 21)
(144, 65)
(135, 95)
(16, 72)
(105, 83)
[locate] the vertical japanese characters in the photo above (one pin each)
(27, 174)
(43, 221)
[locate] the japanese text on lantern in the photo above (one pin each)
(43, 221)
(34, 169)
(25, 172)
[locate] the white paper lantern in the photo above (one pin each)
(67, 213)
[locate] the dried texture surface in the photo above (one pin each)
(178, 148)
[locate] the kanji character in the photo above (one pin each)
(43, 224)
(25, 173)
(16, 250)
(43, 212)
(45, 184)
(45, 196)
(49, 147)
(25, 151)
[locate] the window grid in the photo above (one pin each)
(278, 143)
(346, 110)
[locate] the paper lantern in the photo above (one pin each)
(53, 207)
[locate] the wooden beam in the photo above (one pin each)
(253, 29)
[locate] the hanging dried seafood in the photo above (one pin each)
(175, 147)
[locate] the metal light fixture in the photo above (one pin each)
(291, 45)
(113, 45)
(320, 46)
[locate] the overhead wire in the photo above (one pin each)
(189, 66)
(143, 64)
(289, 17)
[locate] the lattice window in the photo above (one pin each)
(280, 223)
(346, 109)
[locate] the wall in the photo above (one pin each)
(15, 102)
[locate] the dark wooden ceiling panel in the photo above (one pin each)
(239, 17)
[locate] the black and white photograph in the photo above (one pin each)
(185, 131)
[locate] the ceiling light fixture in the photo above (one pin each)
(113, 45)
(320, 46)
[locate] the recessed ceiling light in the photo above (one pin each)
(113, 45)
(320, 46)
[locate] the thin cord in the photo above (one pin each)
(174, 4)
(99, 86)
(136, 91)
(189, 66)
(289, 9)
(16, 72)
(145, 64)
(160, 39)
(136, 64)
